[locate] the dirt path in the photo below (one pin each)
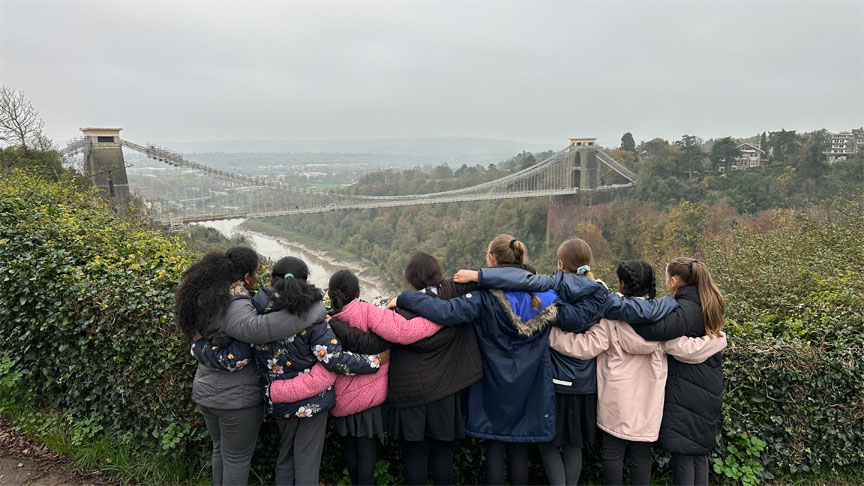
(23, 462)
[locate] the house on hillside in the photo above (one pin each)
(751, 156)
(840, 145)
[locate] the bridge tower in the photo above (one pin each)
(564, 213)
(585, 167)
(103, 162)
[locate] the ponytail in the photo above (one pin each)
(342, 288)
(291, 291)
(694, 272)
(507, 250)
(576, 256)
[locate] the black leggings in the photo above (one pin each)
(639, 454)
(435, 456)
(689, 470)
(513, 454)
(360, 455)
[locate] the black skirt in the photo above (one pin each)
(439, 420)
(368, 423)
(575, 419)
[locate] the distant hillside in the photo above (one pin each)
(395, 151)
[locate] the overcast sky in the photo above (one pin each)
(536, 72)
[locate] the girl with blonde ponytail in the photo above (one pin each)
(694, 392)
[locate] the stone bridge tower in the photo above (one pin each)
(103, 162)
(585, 168)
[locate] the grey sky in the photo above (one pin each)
(536, 72)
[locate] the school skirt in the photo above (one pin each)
(575, 419)
(439, 420)
(368, 423)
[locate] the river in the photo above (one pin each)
(274, 249)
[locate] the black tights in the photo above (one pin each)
(613, 454)
(435, 456)
(360, 455)
(514, 454)
(689, 470)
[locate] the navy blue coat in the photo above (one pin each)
(515, 400)
(572, 375)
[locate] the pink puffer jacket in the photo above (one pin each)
(357, 393)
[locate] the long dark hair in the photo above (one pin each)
(291, 291)
(423, 270)
(342, 289)
(638, 279)
(204, 290)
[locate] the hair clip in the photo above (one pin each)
(289, 275)
(690, 265)
(583, 270)
(514, 240)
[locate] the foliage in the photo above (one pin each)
(742, 462)
(86, 306)
(86, 310)
(43, 163)
(723, 154)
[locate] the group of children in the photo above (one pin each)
(500, 354)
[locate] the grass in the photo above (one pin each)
(90, 449)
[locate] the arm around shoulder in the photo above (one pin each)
(244, 323)
(695, 350)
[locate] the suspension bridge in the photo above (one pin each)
(178, 191)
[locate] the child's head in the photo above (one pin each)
(505, 249)
(343, 288)
(637, 279)
(682, 272)
(422, 271)
(290, 288)
(574, 256)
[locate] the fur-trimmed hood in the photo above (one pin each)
(540, 319)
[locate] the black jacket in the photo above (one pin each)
(694, 393)
(430, 369)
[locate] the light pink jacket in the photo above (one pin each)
(631, 373)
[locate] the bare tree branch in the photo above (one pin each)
(20, 123)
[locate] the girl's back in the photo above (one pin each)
(357, 393)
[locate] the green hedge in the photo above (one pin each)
(86, 314)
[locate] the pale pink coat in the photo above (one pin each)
(631, 373)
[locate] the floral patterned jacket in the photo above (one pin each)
(289, 358)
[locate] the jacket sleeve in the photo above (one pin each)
(303, 386)
(633, 343)
(583, 346)
(233, 358)
(510, 278)
(670, 327)
(356, 340)
(638, 310)
(328, 350)
(695, 350)
(445, 312)
(395, 328)
(245, 324)
(579, 316)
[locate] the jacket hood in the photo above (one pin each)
(534, 321)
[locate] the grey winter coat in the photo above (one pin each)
(242, 388)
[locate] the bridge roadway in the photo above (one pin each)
(417, 201)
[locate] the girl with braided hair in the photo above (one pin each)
(631, 377)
